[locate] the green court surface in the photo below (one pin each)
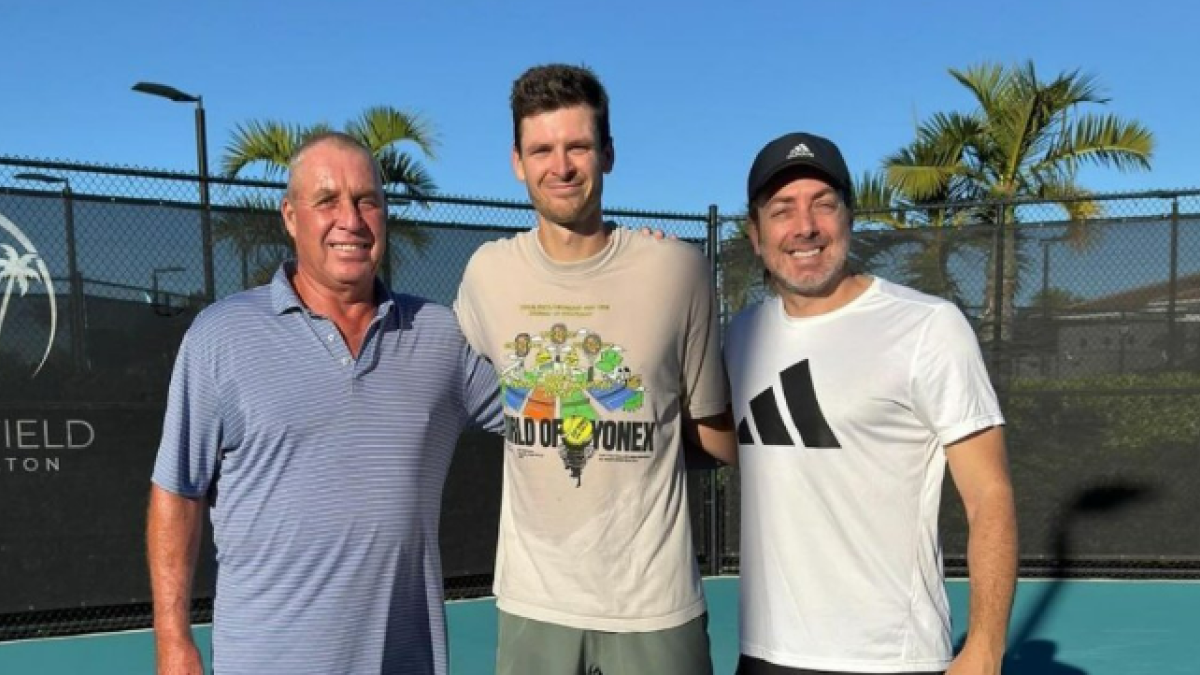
(1058, 628)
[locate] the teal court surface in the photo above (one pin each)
(1058, 628)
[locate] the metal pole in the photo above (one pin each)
(1172, 285)
(714, 225)
(1045, 279)
(76, 292)
(715, 545)
(206, 235)
(385, 265)
(1047, 340)
(998, 294)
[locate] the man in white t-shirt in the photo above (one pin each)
(851, 395)
(607, 347)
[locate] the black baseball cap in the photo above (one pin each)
(800, 149)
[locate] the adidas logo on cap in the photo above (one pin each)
(801, 150)
(810, 151)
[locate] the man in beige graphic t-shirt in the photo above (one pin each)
(607, 349)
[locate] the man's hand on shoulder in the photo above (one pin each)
(657, 234)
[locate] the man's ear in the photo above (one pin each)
(518, 169)
(752, 234)
(610, 156)
(288, 211)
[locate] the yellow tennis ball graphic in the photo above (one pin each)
(577, 430)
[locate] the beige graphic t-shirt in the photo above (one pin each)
(598, 361)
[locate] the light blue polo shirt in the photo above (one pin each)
(325, 477)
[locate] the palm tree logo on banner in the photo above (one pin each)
(17, 269)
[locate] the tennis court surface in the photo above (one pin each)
(1060, 627)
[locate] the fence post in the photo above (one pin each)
(714, 496)
(75, 316)
(206, 233)
(1172, 286)
(998, 296)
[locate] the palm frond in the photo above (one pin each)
(920, 182)
(944, 135)
(1074, 88)
(1105, 140)
(874, 199)
(985, 81)
(266, 143)
(305, 133)
(935, 165)
(399, 169)
(381, 127)
(1074, 201)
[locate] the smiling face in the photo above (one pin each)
(522, 344)
(591, 344)
(801, 231)
(562, 162)
(558, 333)
(335, 213)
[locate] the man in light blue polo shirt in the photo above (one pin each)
(316, 417)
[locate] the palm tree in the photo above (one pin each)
(253, 225)
(15, 268)
(1026, 138)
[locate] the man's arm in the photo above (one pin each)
(979, 467)
(714, 436)
(172, 543)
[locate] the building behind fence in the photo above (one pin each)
(1092, 337)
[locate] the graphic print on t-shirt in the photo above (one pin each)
(800, 403)
(563, 387)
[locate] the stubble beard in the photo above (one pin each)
(813, 286)
(572, 214)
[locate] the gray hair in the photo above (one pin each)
(337, 138)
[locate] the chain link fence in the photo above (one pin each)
(1092, 336)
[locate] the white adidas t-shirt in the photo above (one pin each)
(843, 421)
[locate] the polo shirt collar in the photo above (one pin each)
(284, 298)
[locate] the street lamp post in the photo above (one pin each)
(172, 94)
(75, 292)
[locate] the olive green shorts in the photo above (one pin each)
(528, 647)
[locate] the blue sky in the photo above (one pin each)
(697, 87)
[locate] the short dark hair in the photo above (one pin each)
(551, 87)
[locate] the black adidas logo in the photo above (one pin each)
(800, 399)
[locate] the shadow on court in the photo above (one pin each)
(1028, 655)
(1038, 657)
